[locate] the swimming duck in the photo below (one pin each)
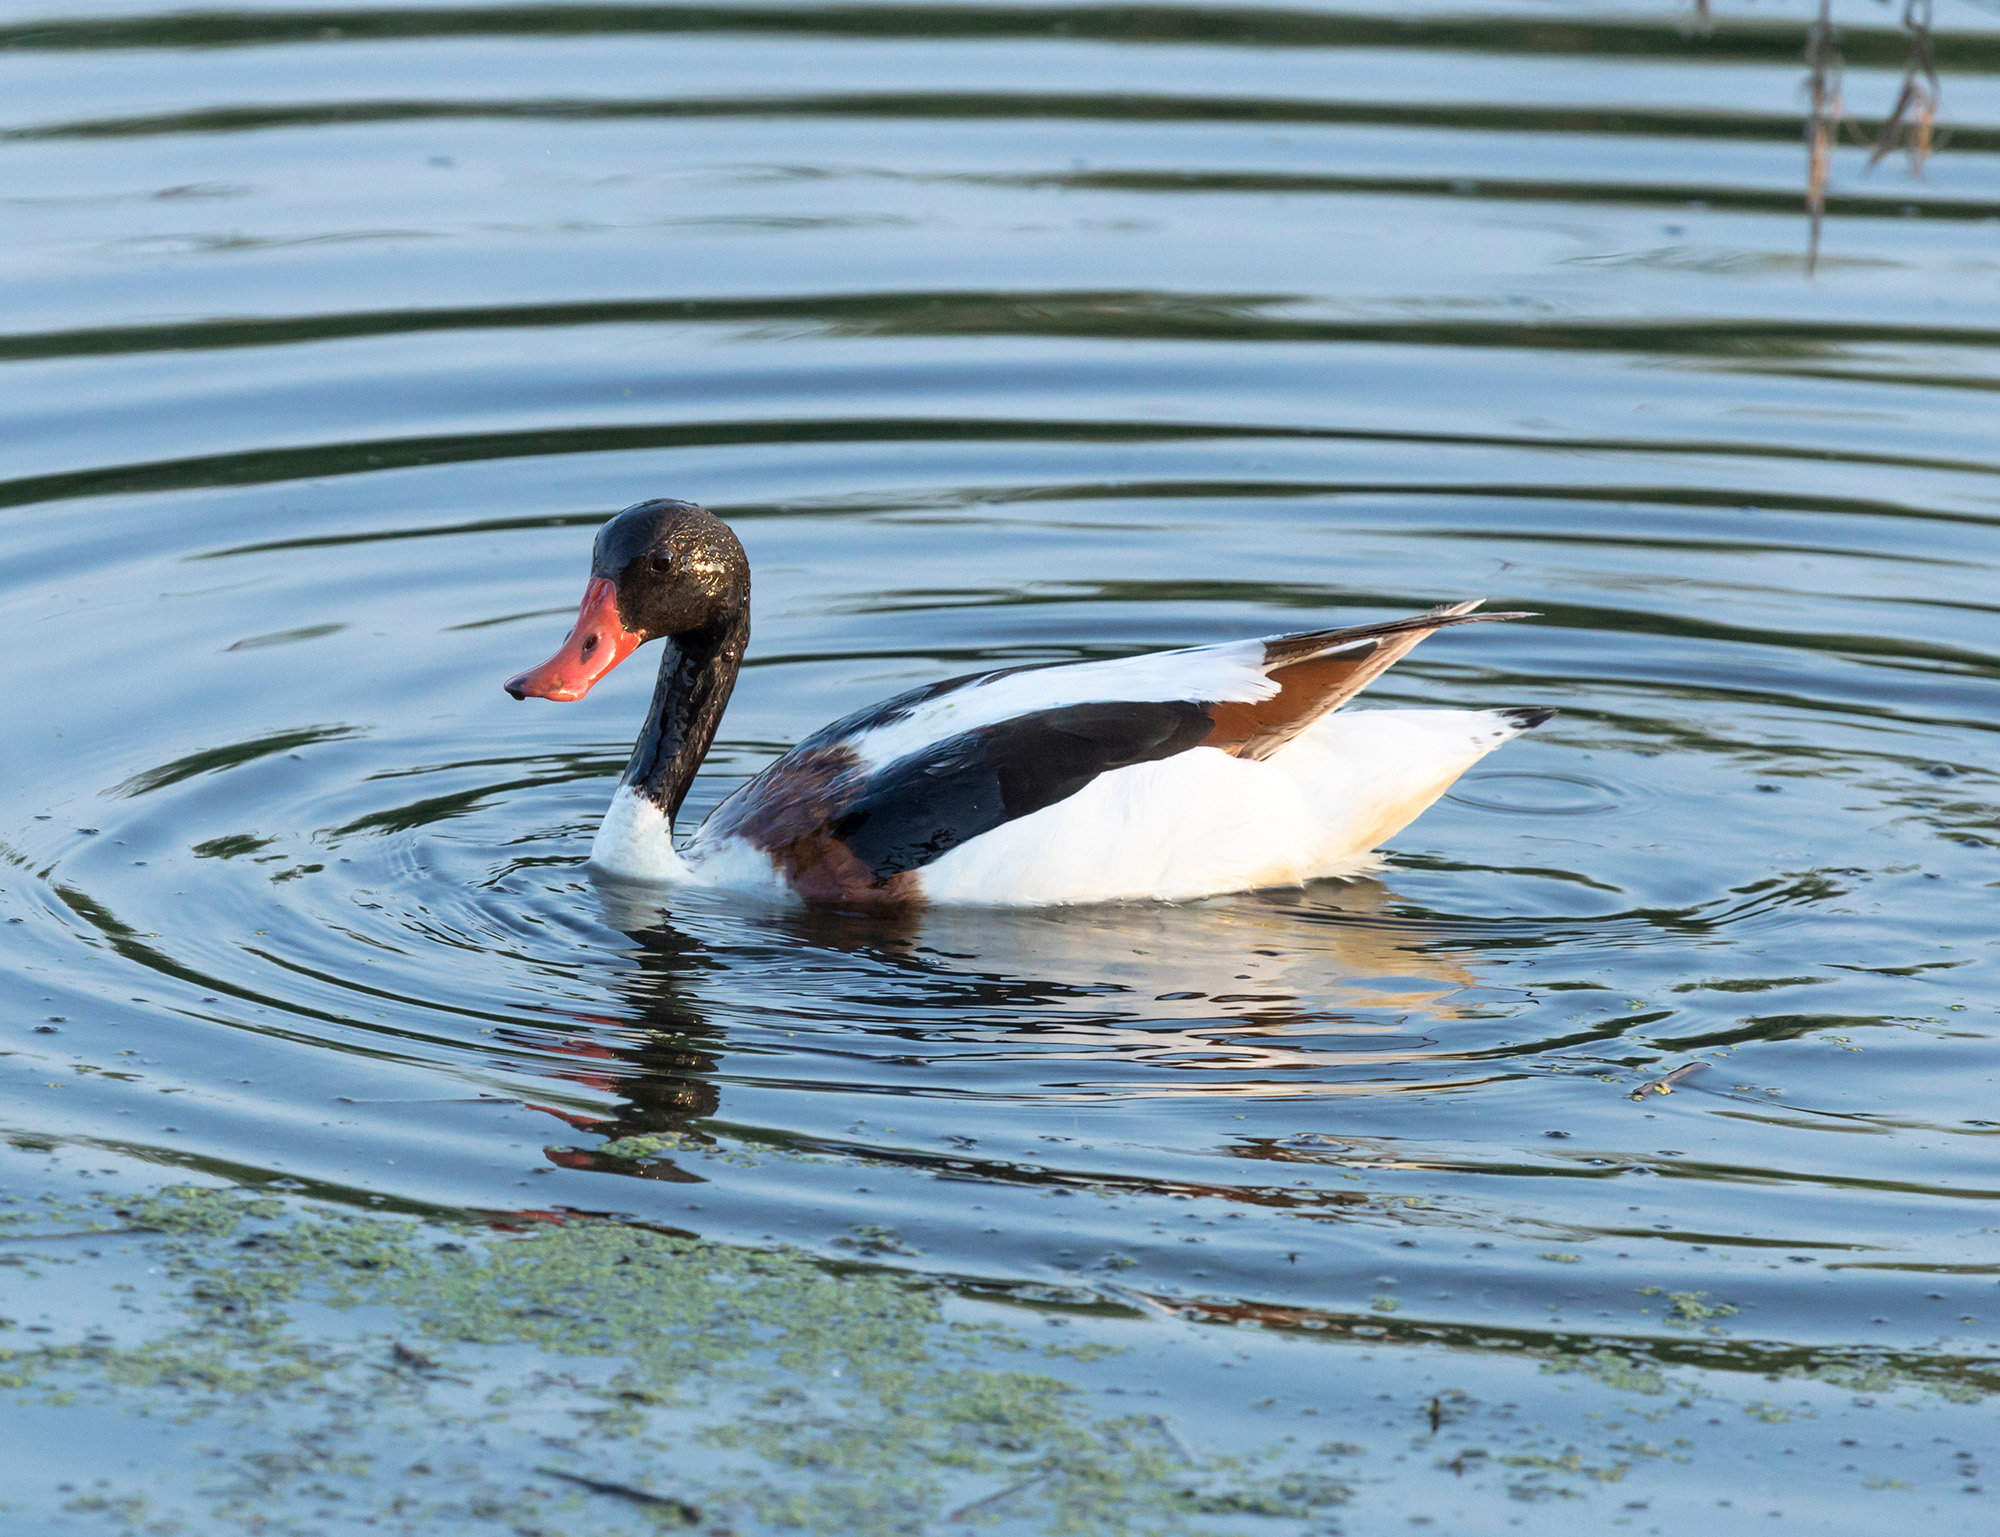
(1171, 775)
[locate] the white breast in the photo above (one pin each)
(636, 841)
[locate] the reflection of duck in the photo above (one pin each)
(1272, 995)
(659, 1062)
(1271, 959)
(1340, 959)
(1172, 775)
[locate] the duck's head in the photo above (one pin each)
(659, 568)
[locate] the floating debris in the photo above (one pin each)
(1666, 1085)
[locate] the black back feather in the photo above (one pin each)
(928, 803)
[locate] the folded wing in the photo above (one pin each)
(852, 811)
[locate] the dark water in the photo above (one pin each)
(1016, 333)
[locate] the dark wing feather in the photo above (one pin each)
(928, 803)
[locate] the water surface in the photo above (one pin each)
(1007, 334)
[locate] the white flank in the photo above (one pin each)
(731, 864)
(1233, 671)
(1204, 822)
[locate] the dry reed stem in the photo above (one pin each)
(1912, 119)
(965, 1512)
(1910, 126)
(1824, 65)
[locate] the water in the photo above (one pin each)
(1005, 334)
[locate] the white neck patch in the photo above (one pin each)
(636, 840)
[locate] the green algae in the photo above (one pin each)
(1954, 1381)
(639, 1149)
(820, 1398)
(1688, 1310)
(1298, 1496)
(1624, 1374)
(1772, 1414)
(1572, 1463)
(644, 1148)
(589, 1376)
(873, 1238)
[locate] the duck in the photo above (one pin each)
(1166, 776)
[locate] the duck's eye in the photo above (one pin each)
(659, 565)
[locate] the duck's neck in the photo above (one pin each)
(697, 673)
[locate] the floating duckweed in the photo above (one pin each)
(1686, 1309)
(829, 1400)
(1771, 1414)
(638, 1149)
(587, 1377)
(1952, 1382)
(198, 1209)
(1613, 1370)
(1572, 1463)
(872, 1238)
(1298, 1496)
